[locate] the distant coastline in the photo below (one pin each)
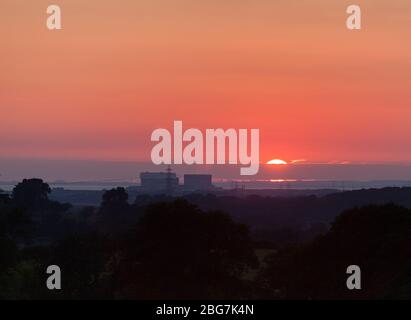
(233, 184)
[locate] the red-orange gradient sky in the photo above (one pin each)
(121, 68)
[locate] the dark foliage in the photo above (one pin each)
(376, 238)
(165, 248)
(178, 251)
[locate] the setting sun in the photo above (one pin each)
(277, 162)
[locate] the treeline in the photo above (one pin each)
(290, 220)
(281, 220)
(176, 249)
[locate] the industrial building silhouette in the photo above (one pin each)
(168, 182)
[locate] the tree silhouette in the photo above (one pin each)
(376, 238)
(179, 251)
(114, 210)
(114, 200)
(32, 193)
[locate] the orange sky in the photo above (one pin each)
(120, 69)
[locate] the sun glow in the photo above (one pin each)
(283, 180)
(277, 162)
